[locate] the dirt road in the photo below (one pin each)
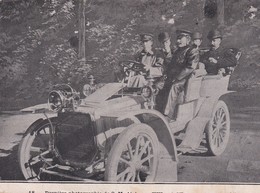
(239, 163)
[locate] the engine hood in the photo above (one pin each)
(101, 103)
(103, 93)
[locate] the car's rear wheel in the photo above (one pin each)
(218, 129)
(134, 155)
(32, 149)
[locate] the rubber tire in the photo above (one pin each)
(24, 149)
(131, 132)
(212, 149)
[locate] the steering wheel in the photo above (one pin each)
(131, 65)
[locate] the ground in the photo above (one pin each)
(239, 163)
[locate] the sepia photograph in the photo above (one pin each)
(143, 92)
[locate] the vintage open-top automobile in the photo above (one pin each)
(116, 134)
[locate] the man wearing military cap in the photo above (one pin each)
(184, 60)
(146, 37)
(146, 57)
(217, 57)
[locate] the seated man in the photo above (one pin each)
(218, 60)
(166, 51)
(196, 43)
(152, 66)
(184, 60)
(91, 87)
(164, 54)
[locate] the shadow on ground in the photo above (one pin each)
(10, 169)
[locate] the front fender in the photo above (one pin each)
(167, 168)
(35, 125)
(159, 124)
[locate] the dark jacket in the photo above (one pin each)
(146, 58)
(151, 63)
(184, 61)
(224, 59)
(164, 57)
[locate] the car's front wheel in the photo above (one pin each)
(33, 149)
(134, 155)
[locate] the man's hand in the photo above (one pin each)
(160, 85)
(221, 71)
(146, 67)
(213, 60)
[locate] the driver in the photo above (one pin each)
(151, 65)
(184, 60)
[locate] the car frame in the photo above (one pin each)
(116, 134)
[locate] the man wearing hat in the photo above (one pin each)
(217, 57)
(166, 52)
(197, 39)
(146, 57)
(89, 88)
(196, 43)
(184, 60)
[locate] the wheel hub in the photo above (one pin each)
(135, 164)
(218, 125)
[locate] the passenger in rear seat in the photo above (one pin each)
(196, 43)
(218, 60)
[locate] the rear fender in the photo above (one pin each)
(207, 107)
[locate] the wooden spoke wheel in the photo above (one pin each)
(33, 149)
(134, 156)
(218, 129)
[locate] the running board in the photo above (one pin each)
(66, 176)
(182, 150)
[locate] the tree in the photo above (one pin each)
(82, 29)
(221, 12)
(214, 14)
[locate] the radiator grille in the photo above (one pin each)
(74, 138)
